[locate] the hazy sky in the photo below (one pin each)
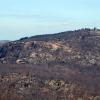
(19, 18)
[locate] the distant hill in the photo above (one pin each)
(3, 42)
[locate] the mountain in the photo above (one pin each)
(79, 47)
(61, 66)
